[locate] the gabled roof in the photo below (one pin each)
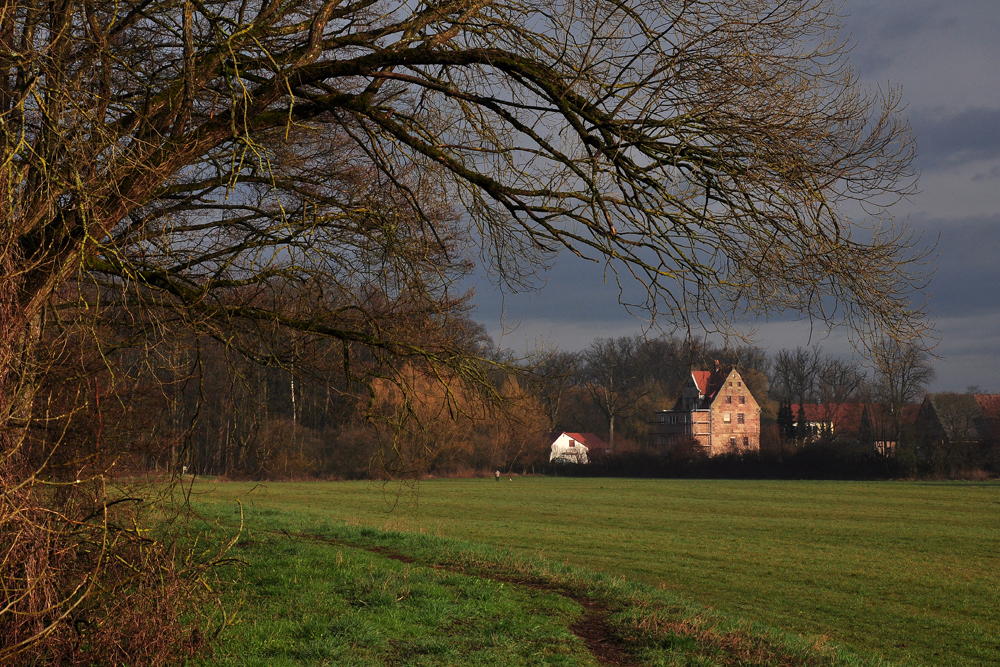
(966, 416)
(845, 417)
(881, 412)
(589, 440)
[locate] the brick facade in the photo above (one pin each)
(714, 409)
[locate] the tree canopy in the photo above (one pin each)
(722, 153)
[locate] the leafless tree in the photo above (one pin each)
(840, 380)
(707, 148)
(616, 377)
(902, 372)
(795, 374)
(555, 374)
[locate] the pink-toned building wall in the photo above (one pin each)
(719, 394)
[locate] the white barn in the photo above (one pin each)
(574, 447)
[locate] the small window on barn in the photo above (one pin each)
(739, 384)
(729, 399)
(572, 443)
(743, 400)
(739, 418)
(730, 384)
(727, 418)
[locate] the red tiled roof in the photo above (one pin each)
(845, 417)
(589, 440)
(879, 411)
(701, 379)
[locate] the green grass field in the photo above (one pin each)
(908, 571)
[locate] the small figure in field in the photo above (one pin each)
(498, 475)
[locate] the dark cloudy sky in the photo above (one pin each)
(946, 57)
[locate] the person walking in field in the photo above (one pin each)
(498, 475)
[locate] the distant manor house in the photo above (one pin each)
(715, 410)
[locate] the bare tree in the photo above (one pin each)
(615, 377)
(795, 374)
(840, 380)
(555, 374)
(707, 148)
(902, 372)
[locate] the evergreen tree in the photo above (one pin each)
(786, 421)
(802, 425)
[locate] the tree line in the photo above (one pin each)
(191, 404)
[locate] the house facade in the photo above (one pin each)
(952, 418)
(575, 447)
(840, 422)
(714, 411)
(882, 427)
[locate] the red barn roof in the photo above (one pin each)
(589, 440)
(845, 417)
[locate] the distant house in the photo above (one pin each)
(714, 411)
(574, 447)
(952, 418)
(838, 421)
(883, 426)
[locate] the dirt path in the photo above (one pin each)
(592, 628)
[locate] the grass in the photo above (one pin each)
(333, 594)
(311, 603)
(904, 570)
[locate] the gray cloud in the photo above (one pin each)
(968, 274)
(973, 134)
(880, 31)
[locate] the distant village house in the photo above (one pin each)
(715, 410)
(839, 421)
(882, 426)
(955, 418)
(574, 447)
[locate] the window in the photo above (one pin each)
(743, 400)
(729, 399)
(732, 442)
(673, 419)
(572, 443)
(730, 384)
(662, 419)
(746, 441)
(739, 418)
(727, 418)
(739, 384)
